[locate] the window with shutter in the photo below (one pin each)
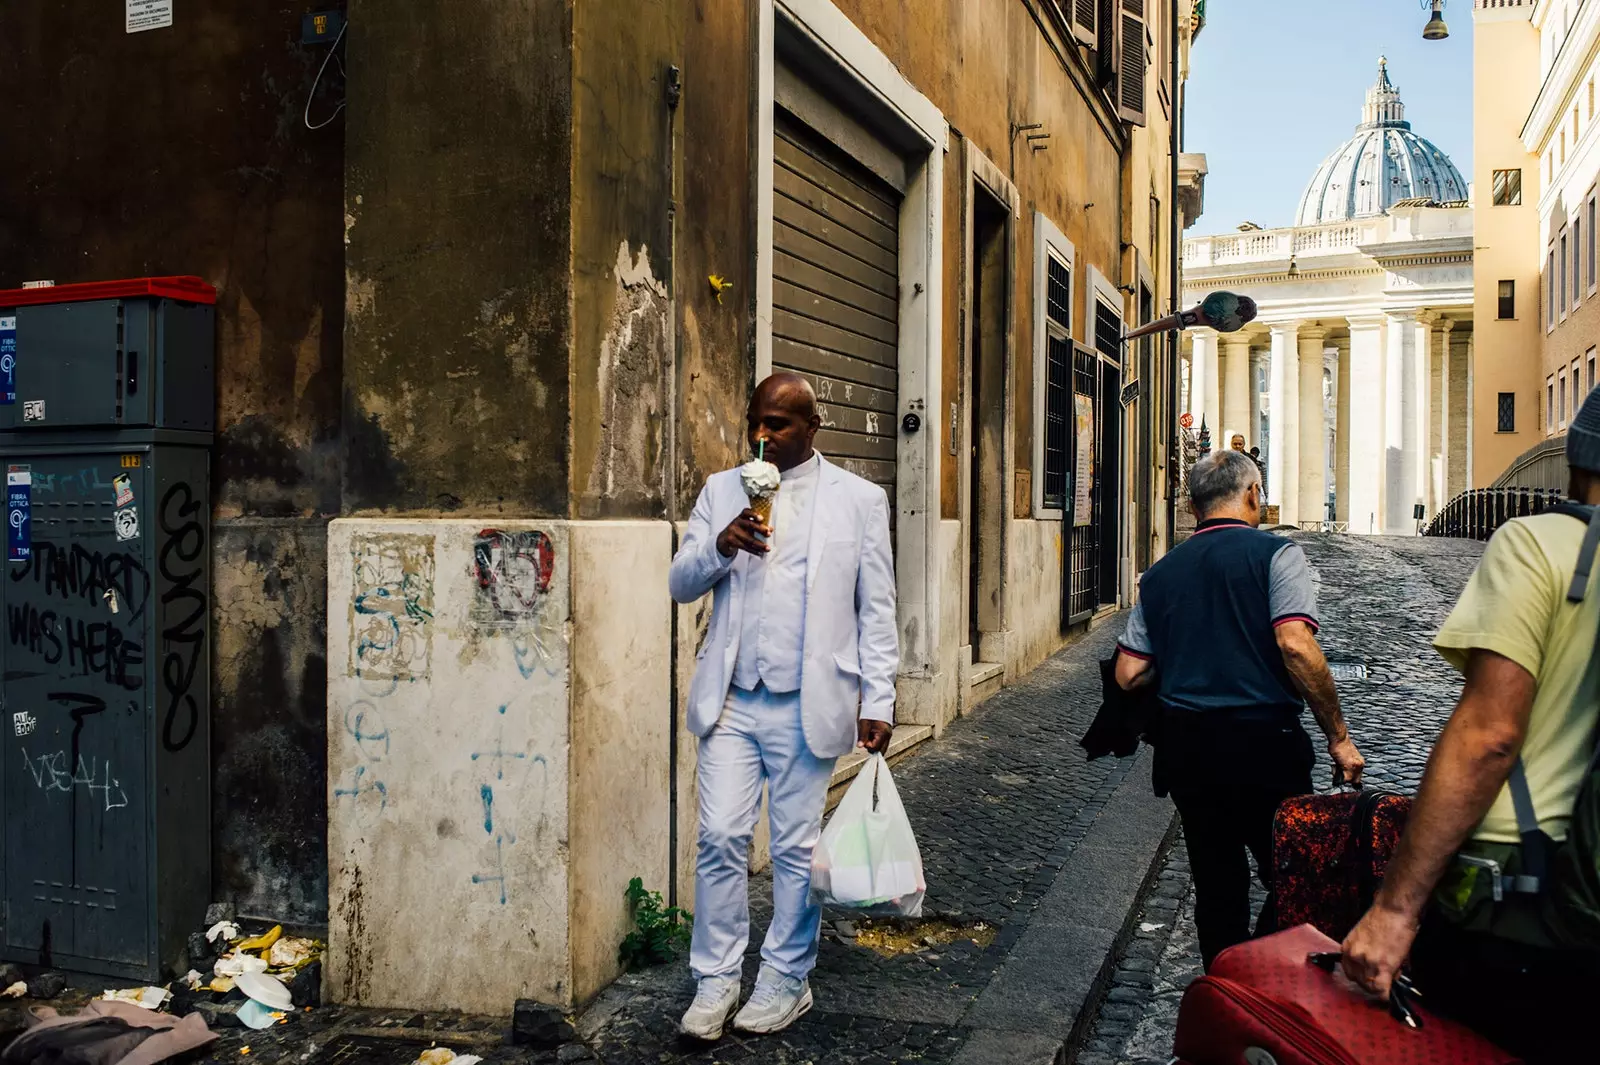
(1132, 63)
(1085, 19)
(1058, 354)
(1105, 46)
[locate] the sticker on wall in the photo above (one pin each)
(130, 462)
(124, 486)
(23, 724)
(19, 520)
(143, 15)
(33, 410)
(127, 522)
(8, 359)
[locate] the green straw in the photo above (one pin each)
(761, 450)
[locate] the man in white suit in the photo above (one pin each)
(798, 666)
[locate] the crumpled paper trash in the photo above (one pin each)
(16, 990)
(445, 1056)
(222, 931)
(239, 963)
(290, 952)
(149, 998)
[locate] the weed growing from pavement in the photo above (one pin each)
(659, 931)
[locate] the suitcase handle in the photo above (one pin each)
(1402, 992)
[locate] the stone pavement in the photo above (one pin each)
(1023, 842)
(1381, 601)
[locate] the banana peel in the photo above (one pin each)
(263, 941)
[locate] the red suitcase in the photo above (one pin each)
(1263, 1002)
(1329, 854)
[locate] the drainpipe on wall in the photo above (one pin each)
(1175, 251)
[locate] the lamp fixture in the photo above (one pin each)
(1435, 30)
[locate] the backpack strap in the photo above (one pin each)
(1590, 516)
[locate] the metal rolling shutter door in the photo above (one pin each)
(835, 295)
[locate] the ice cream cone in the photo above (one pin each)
(762, 508)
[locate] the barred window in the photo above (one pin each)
(1058, 383)
(1108, 331)
(1506, 412)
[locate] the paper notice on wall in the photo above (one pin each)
(148, 15)
(1083, 482)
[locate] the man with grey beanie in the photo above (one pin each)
(1463, 897)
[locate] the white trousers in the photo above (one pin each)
(759, 738)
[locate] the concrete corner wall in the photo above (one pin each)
(499, 756)
(448, 724)
(621, 735)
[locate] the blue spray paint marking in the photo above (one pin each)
(359, 788)
(500, 873)
(486, 793)
(355, 717)
(499, 754)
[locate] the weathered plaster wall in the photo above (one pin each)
(457, 228)
(660, 205)
(183, 151)
(449, 696)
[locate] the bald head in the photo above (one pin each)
(783, 420)
(788, 389)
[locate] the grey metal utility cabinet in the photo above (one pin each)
(106, 414)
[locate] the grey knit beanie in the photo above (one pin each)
(1583, 435)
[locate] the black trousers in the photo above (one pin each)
(1227, 778)
(1535, 1002)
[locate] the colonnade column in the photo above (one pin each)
(1203, 379)
(1283, 458)
(1341, 435)
(1235, 389)
(1422, 414)
(1439, 440)
(1402, 441)
(1313, 427)
(1362, 442)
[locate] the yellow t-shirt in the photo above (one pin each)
(1516, 605)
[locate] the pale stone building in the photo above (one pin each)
(1536, 65)
(1356, 378)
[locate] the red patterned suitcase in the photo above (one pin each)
(1330, 853)
(1264, 1003)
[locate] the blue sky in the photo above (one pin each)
(1277, 85)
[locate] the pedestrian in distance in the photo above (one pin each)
(798, 666)
(1475, 892)
(1225, 628)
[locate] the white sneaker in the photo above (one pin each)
(776, 1003)
(715, 999)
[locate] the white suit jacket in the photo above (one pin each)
(850, 645)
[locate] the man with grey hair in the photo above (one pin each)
(1226, 629)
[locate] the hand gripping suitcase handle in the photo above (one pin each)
(1403, 994)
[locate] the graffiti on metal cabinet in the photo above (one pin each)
(391, 611)
(183, 637)
(77, 574)
(57, 772)
(511, 573)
